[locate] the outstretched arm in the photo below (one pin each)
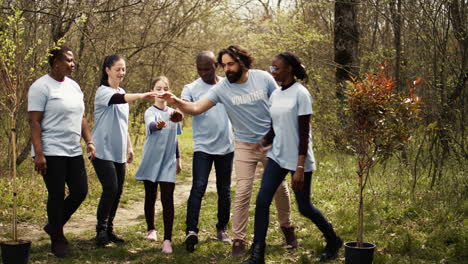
(119, 98)
(194, 108)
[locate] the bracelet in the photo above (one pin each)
(300, 167)
(89, 143)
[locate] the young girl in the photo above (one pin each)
(160, 163)
(112, 141)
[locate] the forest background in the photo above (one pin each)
(417, 200)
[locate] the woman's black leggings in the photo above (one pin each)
(167, 201)
(112, 176)
(60, 171)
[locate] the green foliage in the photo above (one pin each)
(380, 120)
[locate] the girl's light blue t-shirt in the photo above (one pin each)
(63, 108)
(212, 132)
(246, 104)
(285, 107)
(110, 130)
(158, 162)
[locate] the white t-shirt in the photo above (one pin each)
(246, 104)
(110, 130)
(63, 108)
(285, 107)
(212, 132)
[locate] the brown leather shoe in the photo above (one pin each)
(238, 248)
(290, 237)
(58, 242)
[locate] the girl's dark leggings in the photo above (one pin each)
(167, 201)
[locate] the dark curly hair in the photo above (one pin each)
(57, 53)
(299, 70)
(240, 55)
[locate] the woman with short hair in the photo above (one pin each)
(56, 118)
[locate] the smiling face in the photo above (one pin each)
(116, 72)
(65, 64)
(160, 87)
(280, 70)
(232, 68)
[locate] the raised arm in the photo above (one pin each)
(194, 108)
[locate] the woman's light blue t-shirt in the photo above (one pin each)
(63, 108)
(158, 162)
(110, 132)
(246, 104)
(285, 107)
(212, 132)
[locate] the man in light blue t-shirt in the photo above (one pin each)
(244, 93)
(213, 143)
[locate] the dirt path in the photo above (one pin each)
(130, 214)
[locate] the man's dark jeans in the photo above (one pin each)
(202, 163)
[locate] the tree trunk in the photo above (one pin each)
(346, 43)
(360, 213)
(13, 165)
(395, 9)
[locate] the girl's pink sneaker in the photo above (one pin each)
(152, 235)
(167, 247)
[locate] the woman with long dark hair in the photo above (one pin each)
(291, 152)
(55, 110)
(113, 145)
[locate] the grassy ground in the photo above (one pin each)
(424, 226)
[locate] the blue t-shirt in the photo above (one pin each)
(158, 162)
(246, 104)
(211, 129)
(63, 108)
(285, 107)
(110, 132)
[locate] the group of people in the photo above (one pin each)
(250, 116)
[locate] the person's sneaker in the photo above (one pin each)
(114, 238)
(152, 235)
(238, 248)
(167, 247)
(191, 240)
(331, 249)
(102, 239)
(222, 236)
(290, 237)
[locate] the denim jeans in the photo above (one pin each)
(272, 178)
(202, 163)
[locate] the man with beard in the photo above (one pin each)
(244, 94)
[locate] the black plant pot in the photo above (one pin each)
(359, 255)
(15, 252)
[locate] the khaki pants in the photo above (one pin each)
(245, 164)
